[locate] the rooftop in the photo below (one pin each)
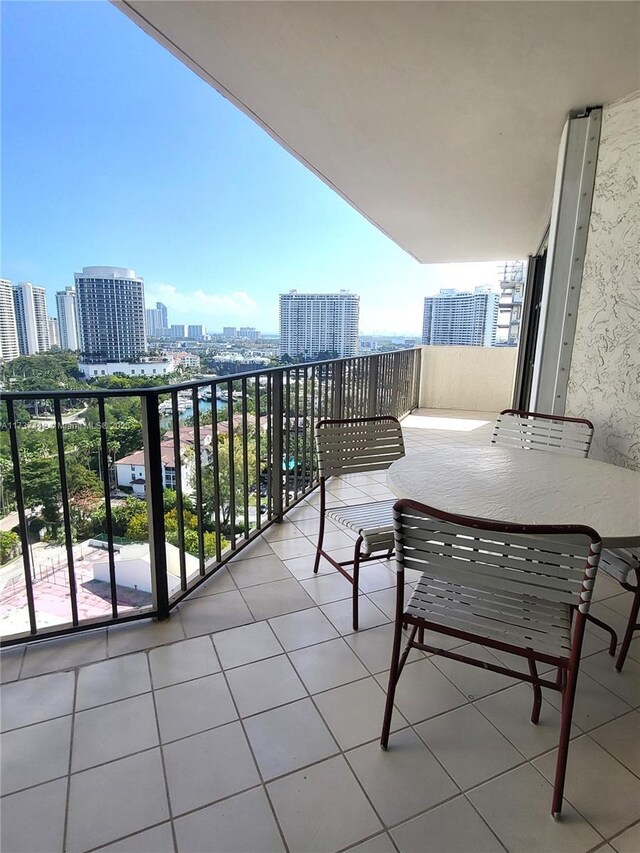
(250, 720)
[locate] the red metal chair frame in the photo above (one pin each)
(567, 667)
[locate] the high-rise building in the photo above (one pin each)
(510, 305)
(54, 332)
(460, 318)
(178, 331)
(311, 323)
(67, 318)
(230, 332)
(196, 332)
(32, 319)
(249, 333)
(110, 302)
(8, 331)
(157, 323)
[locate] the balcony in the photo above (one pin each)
(249, 720)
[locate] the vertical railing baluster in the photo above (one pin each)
(305, 417)
(296, 431)
(197, 448)
(177, 451)
(22, 517)
(232, 466)
(245, 457)
(66, 514)
(258, 443)
(104, 455)
(277, 445)
(372, 397)
(154, 493)
(337, 388)
(271, 379)
(215, 462)
(312, 475)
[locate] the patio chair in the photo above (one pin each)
(536, 431)
(355, 446)
(619, 564)
(513, 588)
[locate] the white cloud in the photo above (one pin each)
(212, 309)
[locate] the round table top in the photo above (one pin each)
(523, 487)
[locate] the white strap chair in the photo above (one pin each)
(356, 446)
(514, 588)
(555, 434)
(619, 564)
(536, 431)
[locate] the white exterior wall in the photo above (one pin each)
(604, 378)
(111, 368)
(32, 319)
(67, 318)
(9, 348)
(311, 323)
(472, 378)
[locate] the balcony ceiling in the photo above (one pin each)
(438, 121)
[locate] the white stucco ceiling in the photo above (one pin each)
(439, 121)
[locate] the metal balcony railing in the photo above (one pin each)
(246, 457)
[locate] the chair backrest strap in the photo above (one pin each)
(553, 563)
(533, 431)
(358, 445)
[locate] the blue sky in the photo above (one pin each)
(114, 153)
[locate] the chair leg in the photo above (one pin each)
(356, 580)
(568, 700)
(394, 673)
(316, 565)
(537, 692)
(631, 626)
(614, 637)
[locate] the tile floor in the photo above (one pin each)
(250, 720)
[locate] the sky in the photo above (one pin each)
(115, 154)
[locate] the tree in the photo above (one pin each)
(225, 492)
(9, 544)
(138, 527)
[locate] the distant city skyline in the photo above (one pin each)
(140, 164)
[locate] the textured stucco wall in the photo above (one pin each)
(478, 379)
(604, 380)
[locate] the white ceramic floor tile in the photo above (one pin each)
(510, 712)
(64, 653)
(322, 809)
(35, 754)
(113, 731)
(208, 767)
(628, 841)
(269, 600)
(609, 805)
(403, 780)
(36, 699)
(378, 844)
(289, 737)
(327, 665)
(287, 549)
(240, 824)
(246, 644)
(423, 691)
(354, 712)
(462, 733)
(340, 615)
(21, 832)
(116, 799)
(303, 628)
(182, 661)
(594, 704)
(158, 839)
(258, 570)
(621, 738)
(454, 827)
(625, 684)
(111, 680)
(194, 706)
(263, 685)
(374, 646)
(302, 567)
(10, 663)
(214, 613)
(326, 588)
(222, 581)
(473, 681)
(137, 636)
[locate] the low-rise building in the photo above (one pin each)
(148, 367)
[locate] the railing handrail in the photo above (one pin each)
(90, 393)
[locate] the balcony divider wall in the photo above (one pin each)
(244, 459)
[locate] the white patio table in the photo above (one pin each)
(524, 487)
